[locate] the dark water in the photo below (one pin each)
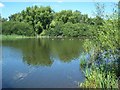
(41, 63)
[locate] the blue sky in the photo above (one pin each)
(9, 8)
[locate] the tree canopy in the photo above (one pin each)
(44, 21)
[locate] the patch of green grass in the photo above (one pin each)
(13, 37)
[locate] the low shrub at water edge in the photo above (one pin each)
(97, 78)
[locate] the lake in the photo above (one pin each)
(42, 63)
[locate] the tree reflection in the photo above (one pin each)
(38, 51)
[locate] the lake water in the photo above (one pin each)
(41, 63)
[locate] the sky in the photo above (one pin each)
(8, 8)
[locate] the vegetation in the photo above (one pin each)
(18, 28)
(97, 78)
(34, 21)
(105, 53)
(13, 37)
(104, 48)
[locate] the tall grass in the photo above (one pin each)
(98, 78)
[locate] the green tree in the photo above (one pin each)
(63, 15)
(39, 17)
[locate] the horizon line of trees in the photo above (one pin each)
(44, 21)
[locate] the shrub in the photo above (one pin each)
(19, 28)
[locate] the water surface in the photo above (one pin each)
(41, 63)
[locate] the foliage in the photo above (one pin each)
(71, 16)
(75, 30)
(106, 44)
(38, 17)
(43, 20)
(69, 29)
(2, 19)
(97, 78)
(19, 28)
(56, 29)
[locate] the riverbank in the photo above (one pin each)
(14, 37)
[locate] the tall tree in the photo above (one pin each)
(39, 17)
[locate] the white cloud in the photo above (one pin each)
(1, 5)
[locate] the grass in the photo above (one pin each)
(13, 37)
(97, 78)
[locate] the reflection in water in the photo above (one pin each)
(39, 51)
(42, 63)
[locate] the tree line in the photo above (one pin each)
(44, 21)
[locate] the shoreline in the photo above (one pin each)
(13, 37)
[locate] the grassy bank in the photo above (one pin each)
(13, 37)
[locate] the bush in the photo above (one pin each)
(18, 28)
(75, 30)
(68, 29)
(6, 28)
(56, 30)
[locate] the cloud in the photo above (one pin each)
(1, 5)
